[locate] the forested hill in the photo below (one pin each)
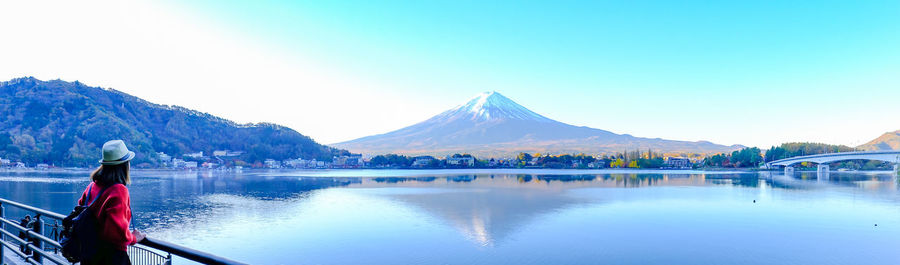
(887, 141)
(788, 150)
(65, 124)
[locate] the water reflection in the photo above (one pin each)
(160, 197)
(486, 215)
(490, 217)
(403, 179)
(173, 191)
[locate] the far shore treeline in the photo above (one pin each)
(754, 157)
(634, 159)
(751, 157)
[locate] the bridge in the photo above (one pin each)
(823, 159)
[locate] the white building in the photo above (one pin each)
(461, 161)
(678, 163)
(272, 163)
(577, 163)
(351, 161)
(227, 153)
(163, 157)
(422, 161)
(195, 155)
(178, 163)
(596, 164)
(296, 163)
(190, 164)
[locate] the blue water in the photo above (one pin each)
(506, 216)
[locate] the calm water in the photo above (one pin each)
(506, 216)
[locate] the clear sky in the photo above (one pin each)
(757, 73)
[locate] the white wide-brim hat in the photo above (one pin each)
(115, 152)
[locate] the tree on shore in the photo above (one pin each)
(788, 150)
(747, 157)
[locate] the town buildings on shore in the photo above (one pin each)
(678, 163)
(231, 159)
(227, 159)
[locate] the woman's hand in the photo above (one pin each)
(138, 236)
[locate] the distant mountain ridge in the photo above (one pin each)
(65, 123)
(887, 141)
(493, 125)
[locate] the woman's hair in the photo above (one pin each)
(107, 175)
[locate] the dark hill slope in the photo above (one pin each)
(65, 123)
(887, 141)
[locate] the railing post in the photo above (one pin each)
(168, 258)
(54, 234)
(39, 244)
(2, 236)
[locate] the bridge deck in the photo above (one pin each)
(888, 156)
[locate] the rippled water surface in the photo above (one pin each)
(505, 216)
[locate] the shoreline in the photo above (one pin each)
(380, 172)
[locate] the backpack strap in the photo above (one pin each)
(98, 195)
(84, 197)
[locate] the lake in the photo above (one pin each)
(505, 216)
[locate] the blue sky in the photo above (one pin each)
(733, 72)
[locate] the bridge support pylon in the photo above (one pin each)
(822, 172)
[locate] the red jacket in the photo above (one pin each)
(113, 212)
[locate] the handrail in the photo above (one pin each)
(33, 248)
(31, 233)
(191, 254)
(16, 251)
(181, 251)
(33, 209)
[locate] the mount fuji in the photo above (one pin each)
(492, 125)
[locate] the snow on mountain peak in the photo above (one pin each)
(492, 105)
(487, 98)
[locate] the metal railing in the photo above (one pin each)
(45, 246)
(140, 255)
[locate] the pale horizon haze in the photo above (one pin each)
(756, 73)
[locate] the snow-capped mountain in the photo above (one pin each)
(492, 105)
(493, 125)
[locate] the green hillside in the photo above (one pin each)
(65, 123)
(887, 141)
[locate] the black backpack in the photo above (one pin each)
(80, 235)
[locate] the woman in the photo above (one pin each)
(113, 207)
